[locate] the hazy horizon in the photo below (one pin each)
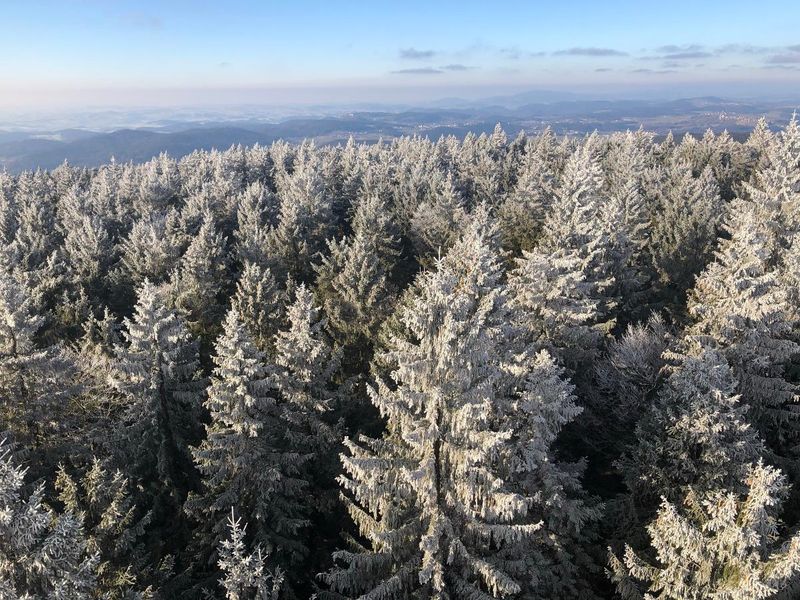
(88, 54)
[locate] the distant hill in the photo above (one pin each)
(21, 150)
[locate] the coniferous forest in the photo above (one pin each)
(477, 368)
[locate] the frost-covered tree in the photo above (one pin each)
(157, 371)
(741, 306)
(522, 213)
(684, 230)
(36, 382)
(437, 518)
(198, 283)
(256, 214)
(696, 435)
(36, 236)
(304, 221)
(353, 280)
(438, 221)
(718, 544)
(305, 364)
(153, 247)
(374, 221)
(43, 555)
(89, 254)
(114, 528)
(244, 575)
(554, 562)
(259, 302)
(760, 143)
(246, 460)
(774, 198)
(561, 289)
(625, 218)
(777, 188)
(159, 185)
(627, 378)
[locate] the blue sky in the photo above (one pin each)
(121, 52)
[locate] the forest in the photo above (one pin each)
(540, 367)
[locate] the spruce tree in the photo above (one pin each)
(522, 213)
(304, 221)
(740, 304)
(153, 248)
(114, 529)
(43, 555)
(562, 288)
(198, 284)
(696, 435)
(246, 460)
(438, 221)
(36, 381)
(157, 371)
(353, 280)
(244, 575)
(260, 304)
(437, 517)
(684, 231)
(255, 215)
(717, 544)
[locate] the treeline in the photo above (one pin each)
(464, 369)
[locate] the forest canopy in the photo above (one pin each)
(540, 367)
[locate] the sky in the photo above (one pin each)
(88, 53)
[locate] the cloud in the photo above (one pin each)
(672, 52)
(224, 64)
(795, 48)
(457, 67)
(672, 48)
(515, 53)
(742, 49)
(590, 52)
(779, 59)
(419, 71)
(142, 20)
(685, 55)
(603, 70)
(415, 54)
(512, 53)
(654, 71)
